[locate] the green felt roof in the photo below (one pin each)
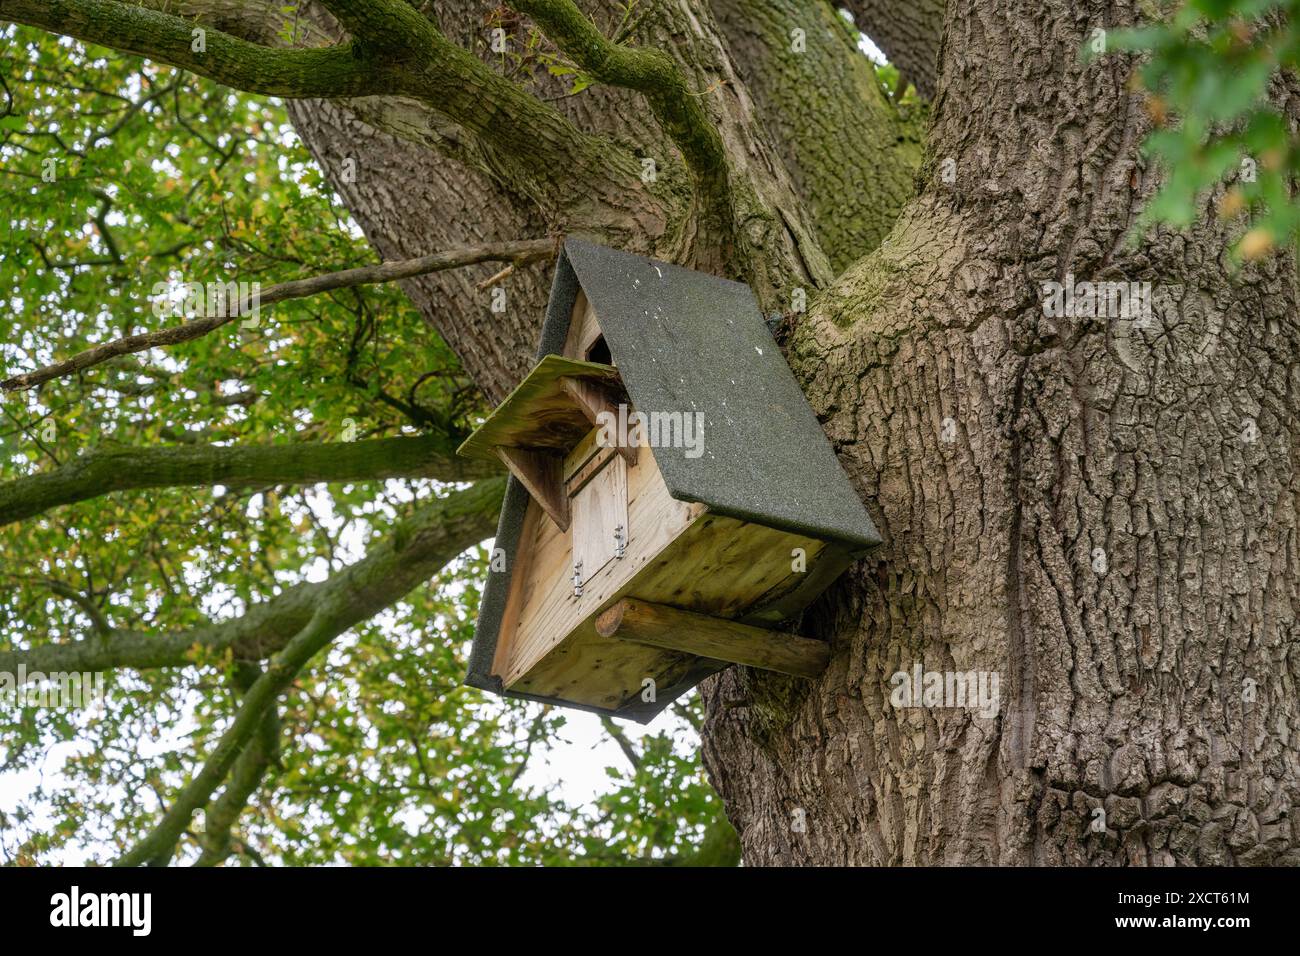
(689, 342)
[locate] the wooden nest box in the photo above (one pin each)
(672, 496)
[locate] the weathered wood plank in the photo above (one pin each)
(589, 460)
(539, 413)
(584, 328)
(521, 578)
(599, 510)
(539, 472)
(593, 398)
(550, 612)
(661, 626)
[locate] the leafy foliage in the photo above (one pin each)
(1207, 74)
(118, 178)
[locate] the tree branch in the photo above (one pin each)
(410, 555)
(679, 110)
(83, 601)
(106, 470)
(522, 251)
(535, 731)
(258, 756)
(624, 744)
(157, 847)
(406, 559)
(387, 24)
(337, 71)
(395, 53)
(908, 33)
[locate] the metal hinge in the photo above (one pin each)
(577, 579)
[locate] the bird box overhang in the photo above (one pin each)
(764, 478)
(544, 419)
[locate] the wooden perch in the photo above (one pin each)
(713, 637)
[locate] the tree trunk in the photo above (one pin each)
(1101, 514)
(907, 33)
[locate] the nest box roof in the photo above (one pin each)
(684, 341)
(691, 342)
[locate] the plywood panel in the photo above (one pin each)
(549, 610)
(599, 511)
(722, 566)
(540, 413)
(605, 672)
(519, 580)
(719, 565)
(584, 328)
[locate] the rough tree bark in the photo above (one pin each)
(1075, 446)
(852, 156)
(1112, 527)
(907, 33)
(409, 193)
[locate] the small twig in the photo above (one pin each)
(624, 744)
(534, 733)
(100, 623)
(504, 273)
(528, 250)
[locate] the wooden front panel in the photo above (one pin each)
(548, 610)
(599, 511)
(584, 328)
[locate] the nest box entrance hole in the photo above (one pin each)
(598, 351)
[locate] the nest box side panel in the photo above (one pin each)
(718, 566)
(514, 509)
(520, 583)
(514, 506)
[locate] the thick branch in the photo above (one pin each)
(387, 24)
(410, 555)
(907, 33)
(522, 251)
(355, 595)
(156, 848)
(679, 109)
(258, 756)
(330, 72)
(109, 469)
(853, 154)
